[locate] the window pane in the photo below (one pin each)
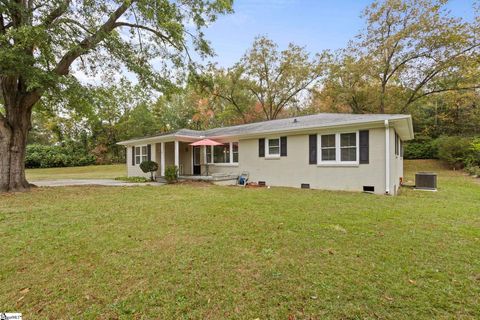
(221, 154)
(209, 154)
(227, 153)
(235, 151)
(144, 158)
(349, 154)
(328, 140)
(328, 154)
(273, 146)
(144, 150)
(274, 150)
(348, 139)
(273, 142)
(137, 151)
(137, 159)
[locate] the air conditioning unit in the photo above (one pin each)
(426, 181)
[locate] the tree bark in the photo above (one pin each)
(13, 140)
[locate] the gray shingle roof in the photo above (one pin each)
(302, 122)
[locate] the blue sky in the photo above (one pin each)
(315, 24)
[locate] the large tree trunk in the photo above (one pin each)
(13, 140)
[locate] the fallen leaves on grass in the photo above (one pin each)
(24, 290)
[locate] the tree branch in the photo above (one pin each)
(262, 102)
(56, 13)
(444, 64)
(88, 43)
(74, 22)
(2, 24)
(63, 66)
(286, 99)
(402, 63)
(155, 32)
(425, 94)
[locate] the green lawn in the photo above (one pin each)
(209, 252)
(89, 172)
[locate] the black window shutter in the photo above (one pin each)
(261, 147)
(312, 149)
(364, 147)
(133, 156)
(149, 152)
(283, 146)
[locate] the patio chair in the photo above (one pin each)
(243, 179)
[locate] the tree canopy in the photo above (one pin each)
(41, 43)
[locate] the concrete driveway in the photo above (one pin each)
(90, 182)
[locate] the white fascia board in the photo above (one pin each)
(158, 139)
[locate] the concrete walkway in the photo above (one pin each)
(90, 182)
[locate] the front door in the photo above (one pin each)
(196, 160)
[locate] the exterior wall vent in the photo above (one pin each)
(305, 186)
(426, 181)
(369, 189)
(262, 183)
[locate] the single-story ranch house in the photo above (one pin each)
(356, 152)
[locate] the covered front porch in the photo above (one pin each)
(174, 153)
(205, 163)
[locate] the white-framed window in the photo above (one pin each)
(223, 154)
(348, 147)
(328, 143)
(339, 148)
(235, 152)
(208, 154)
(398, 146)
(273, 147)
(140, 154)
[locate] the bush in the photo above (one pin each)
(474, 157)
(456, 151)
(40, 156)
(473, 171)
(171, 174)
(421, 148)
(149, 166)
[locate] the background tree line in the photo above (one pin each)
(412, 56)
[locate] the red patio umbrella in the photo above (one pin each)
(206, 142)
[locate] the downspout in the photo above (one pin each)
(387, 157)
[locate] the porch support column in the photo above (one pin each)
(162, 159)
(177, 154)
(231, 152)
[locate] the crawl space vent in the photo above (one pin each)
(368, 189)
